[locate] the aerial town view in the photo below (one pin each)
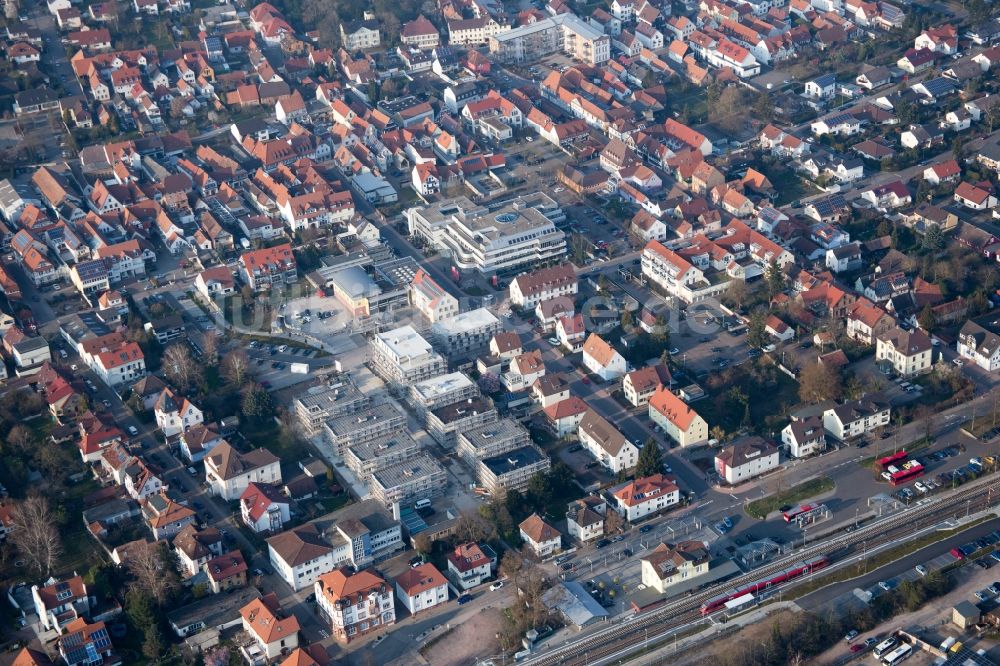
(482, 333)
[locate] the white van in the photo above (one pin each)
(422, 504)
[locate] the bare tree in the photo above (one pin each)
(179, 365)
(612, 521)
(210, 347)
(151, 572)
(511, 566)
(473, 527)
(236, 367)
(36, 535)
(20, 438)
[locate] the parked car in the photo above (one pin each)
(464, 599)
(132, 430)
(851, 635)
(921, 569)
(496, 586)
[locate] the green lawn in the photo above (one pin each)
(803, 491)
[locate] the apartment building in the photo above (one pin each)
(421, 588)
(679, 421)
(441, 390)
(301, 555)
(908, 353)
(381, 420)
(606, 443)
(267, 267)
(354, 604)
(511, 470)
(466, 334)
(491, 439)
(402, 357)
(326, 401)
(444, 423)
(856, 417)
(639, 498)
(521, 233)
(562, 32)
(418, 478)
(366, 458)
(676, 276)
(527, 290)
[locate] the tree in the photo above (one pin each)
(422, 543)
(210, 347)
(613, 521)
(512, 565)
(933, 238)
(627, 321)
(256, 402)
(472, 527)
(775, 278)
(736, 294)
(756, 333)
(927, 320)
(36, 534)
(152, 573)
(179, 365)
(650, 459)
(20, 439)
(819, 382)
(236, 367)
(177, 106)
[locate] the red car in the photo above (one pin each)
(857, 647)
(957, 553)
(585, 380)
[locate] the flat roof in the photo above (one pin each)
(405, 343)
(466, 322)
(397, 441)
(348, 423)
(490, 433)
(338, 391)
(407, 472)
(355, 282)
(506, 463)
(434, 387)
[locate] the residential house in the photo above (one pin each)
(907, 353)
(585, 518)
(979, 345)
(670, 564)
(804, 437)
(640, 385)
(637, 499)
(421, 588)
(677, 419)
(606, 443)
(263, 508)
(539, 536)
(229, 472)
(602, 359)
(745, 459)
(354, 604)
(856, 417)
(272, 632)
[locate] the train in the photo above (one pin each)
(787, 574)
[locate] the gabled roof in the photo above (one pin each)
(673, 408)
(537, 530)
(596, 348)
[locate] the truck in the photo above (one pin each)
(299, 368)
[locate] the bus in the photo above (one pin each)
(897, 655)
(797, 511)
(906, 475)
(894, 459)
(885, 646)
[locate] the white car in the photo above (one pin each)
(554, 342)
(283, 348)
(496, 586)
(921, 487)
(921, 569)
(132, 430)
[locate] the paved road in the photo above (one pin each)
(822, 597)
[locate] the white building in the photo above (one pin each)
(606, 443)
(979, 345)
(585, 518)
(527, 290)
(804, 437)
(602, 359)
(421, 588)
(540, 537)
(301, 555)
(644, 496)
(667, 565)
(465, 334)
(354, 604)
(855, 418)
(746, 459)
(228, 472)
(469, 565)
(475, 237)
(401, 356)
(908, 353)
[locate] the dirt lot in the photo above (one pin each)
(473, 638)
(712, 652)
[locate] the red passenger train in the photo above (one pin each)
(794, 571)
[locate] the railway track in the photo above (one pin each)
(633, 632)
